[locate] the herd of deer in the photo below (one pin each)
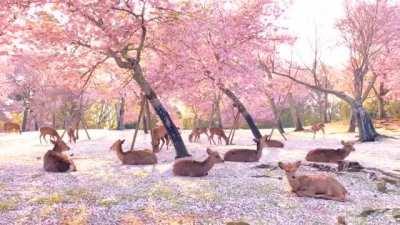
(316, 186)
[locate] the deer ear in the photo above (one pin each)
(122, 141)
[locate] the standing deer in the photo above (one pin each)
(56, 161)
(192, 168)
(220, 133)
(72, 134)
(329, 155)
(12, 127)
(247, 155)
(318, 127)
(314, 186)
(48, 131)
(160, 135)
(196, 132)
(138, 157)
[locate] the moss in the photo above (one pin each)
(54, 198)
(80, 194)
(8, 205)
(107, 202)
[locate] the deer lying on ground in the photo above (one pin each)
(220, 133)
(273, 143)
(160, 135)
(247, 155)
(196, 133)
(56, 161)
(318, 127)
(12, 127)
(138, 157)
(329, 155)
(192, 168)
(314, 186)
(48, 131)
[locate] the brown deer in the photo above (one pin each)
(56, 161)
(273, 143)
(318, 127)
(331, 155)
(72, 134)
(138, 157)
(12, 127)
(220, 133)
(192, 168)
(160, 136)
(196, 133)
(247, 155)
(48, 131)
(314, 186)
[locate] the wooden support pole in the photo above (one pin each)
(138, 122)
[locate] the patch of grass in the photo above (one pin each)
(80, 194)
(52, 199)
(107, 202)
(8, 205)
(161, 190)
(76, 216)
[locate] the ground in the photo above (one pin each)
(103, 191)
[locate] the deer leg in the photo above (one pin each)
(167, 141)
(162, 143)
(40, 138)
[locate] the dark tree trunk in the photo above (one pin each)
(298, 126)
(365, 125)
(24, 126)
(352, 124)
(246, 115)
(172, 130)
(145, 124)
(121, 114)
(277, 116)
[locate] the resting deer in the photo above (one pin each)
(12, 127)
(331, 155)
(138, 157)
(314, 186)
(56, 161)
(192, 168)
(273, 143)
(160, 135)
(196, 132)
(220, 133)
(247, 155)
(48, 131)
(318, 127)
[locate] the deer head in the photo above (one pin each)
(117, 145)
(348, 145)
(215, 157)
(290, 170)
(60, 146)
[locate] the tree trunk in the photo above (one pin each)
(326, 105)
(246, 115)
(25, 116)
(173, 132)
(352, 124)
(218, 112)
(275, 111)
(295, 114)
(381, 101)
(121, 114)
(365, 125)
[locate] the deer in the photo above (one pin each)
(72, 136)
(328, 155)
(55, 160)
(220, 133)
(160, 135)
(196, 132)
(12, 127)
(247, 155)
(48, 131)
(314, 186)
(318, 127)
(192, 168)
(137, 157)
(273, 143)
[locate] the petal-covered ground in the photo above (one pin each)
(103, 191)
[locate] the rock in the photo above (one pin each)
(350, 166)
